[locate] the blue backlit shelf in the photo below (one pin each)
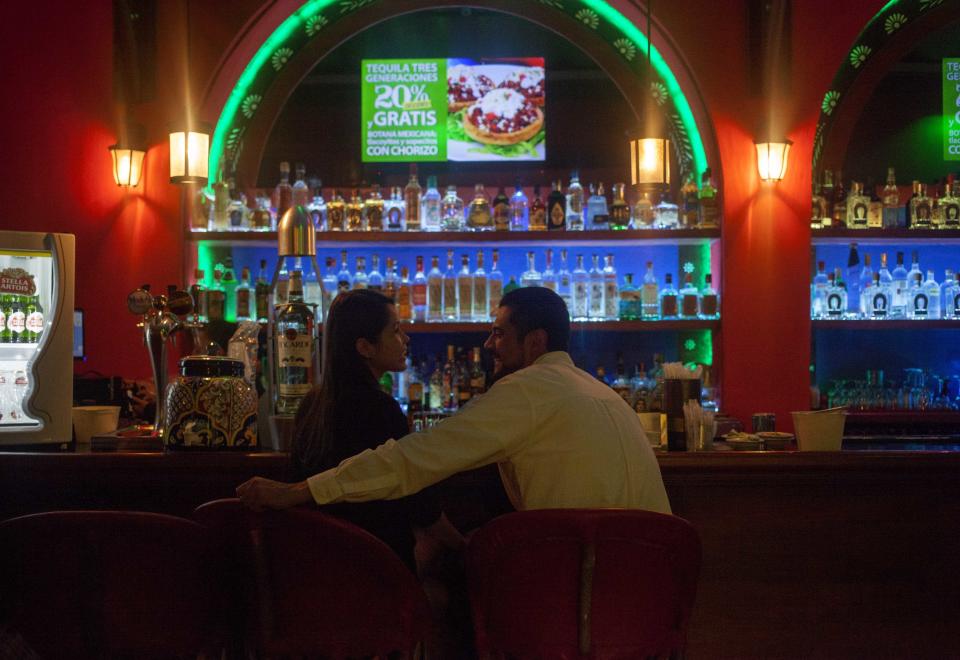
(893, 324)
(883, 236)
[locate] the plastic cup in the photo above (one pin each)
(89, 421)
(819, 431)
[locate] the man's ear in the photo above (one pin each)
(365, 348)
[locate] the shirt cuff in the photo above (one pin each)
(324, 487)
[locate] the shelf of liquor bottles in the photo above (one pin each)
(675, 325)
(888, 324)
(844, 235)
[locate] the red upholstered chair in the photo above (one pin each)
(593, 584)
(324, 586)
(101, 584)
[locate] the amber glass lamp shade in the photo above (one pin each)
(650, 161)
(772, 159)
(127, 165)
(189, 155)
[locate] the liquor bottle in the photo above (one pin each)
(611, 290)
(430, 206)
(415, 390)
(295, 348)
(519, 211)
(914, 267)
(644, 216)
(501, 211)
(857, 207)
(640, 387)
(538, 212)
(390, 280)
(574, 203)
(317, 208)
(689, 299)
(597, 310)
(330, 286)
(434, 290)
(229, 282)
(312, 294)
(920, 207)
(237, 209)
(531, 276)
(556, 208)
(854, 270)
(220, 211)
(465, 290)
(481, 302)
(300, 195)
(549, 278)
(336, 213)
(899, 287)
(951, 203)
(951, 296)
(244, 294)
(669, 299)
(374, 278)
(478, 377)
(411, 198)
(881, 297)
(262, 292)
(666, 214)
(818, 207)
(709, 299)
(479, 215)
(691, 202)
(936, 209)
(629, 300)
(344, 278)
(418, 292)
(216, 298)
(449, 393)
(619, 209)
(373, 210)
(393, 209)
(597, 214)
(405, 291)
(839, 202)
(436, 385)
(360, 280)
(828, 194)
(709, 203)
(451, 210)
(650, 295)
(581, 291)
(355, 212)
(836, 304)
(451, 306)
(925, 301)
(463, 380)
(620, 384)
(34, 320)
(891, 201)
(198, 292)
(874, 207)
(494, 284)
(262, 218)
(283, 283)
(818, 292)
(283, 193)
(564, 282)
(865, 281)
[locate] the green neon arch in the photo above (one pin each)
(310, 19)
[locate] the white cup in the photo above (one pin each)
(89, 421)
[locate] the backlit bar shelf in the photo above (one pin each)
(577, 326)
(893, 324)
(465, 238)
(843, 235)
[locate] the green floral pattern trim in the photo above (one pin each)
(829, 101)
(588, 17)
(859, 55)
(626, 48)
(315, 24)
(281, 57)
(250, 105)
(894, 22)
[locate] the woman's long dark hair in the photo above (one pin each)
(353, 314)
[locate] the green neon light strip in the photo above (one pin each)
(300, 16)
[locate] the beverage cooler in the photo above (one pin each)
(36, 337)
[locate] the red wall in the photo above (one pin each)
(60, 117)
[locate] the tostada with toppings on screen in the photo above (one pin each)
(465, 87)
(528, 81)
(503, 116)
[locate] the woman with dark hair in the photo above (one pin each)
(349, 413)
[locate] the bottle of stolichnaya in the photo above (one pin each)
(556, 208)
(295, 329)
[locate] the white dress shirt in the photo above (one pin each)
(561, 438)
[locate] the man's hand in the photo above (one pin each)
(259, 494)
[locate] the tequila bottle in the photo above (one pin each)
(465, 290)
(411, 198)
(836, 301)
(574, 202)
(581, 291)
(891, 201)
(564, 282)
(857, 207)
(853, 279)
(556, 208)
(390, 280)
(920, 207)
(393, 208)
(531, 276)
(451, 307)
(690, 214)
(951, 203)
(709, 203)
(451, 208)
(430, 206)
(597, 310)
(865, 278)
(355, 212)
(244, 295)
(434, 291)
(900, 282)
(295, 331)
(262, 291)
(926, 298)
(375, 280)
(597, 214)
(669, 299)
(301, 192)
(611, 290)
(709, 299)
(666, 213)
(360, 280)
(538, 212)
(549, 279)
(951, 296)
(481, 302)
(283, 193)
(330, 288)
(519, 211)
(495, 284)
(818, 292)
(650, 295)
(880, 298)
(318, 206)
(619, 209)
(479, 215)
(644, 216)
(501, 211)
(344, 278)
(373, 210)
(629, 300)
(419, 293)
(336, 212)
(689, 299)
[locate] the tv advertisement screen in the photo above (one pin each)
(430, 110)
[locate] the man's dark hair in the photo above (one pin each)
(536, 307)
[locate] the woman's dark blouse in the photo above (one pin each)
(373, 418)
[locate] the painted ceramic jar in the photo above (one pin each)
(210, 406)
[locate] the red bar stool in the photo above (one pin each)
(566, 583)
(100, 584)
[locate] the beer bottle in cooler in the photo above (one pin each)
(4, 313)
(34, 319)
(17, 320)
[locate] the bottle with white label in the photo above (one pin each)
(295, 329)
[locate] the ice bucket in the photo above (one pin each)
(819, 430)
(210, 406)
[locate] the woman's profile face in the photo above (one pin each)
(390, 352)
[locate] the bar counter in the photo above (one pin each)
(805, 554)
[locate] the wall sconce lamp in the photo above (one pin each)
(127, 164)
(650, 161)
(772, 159)
(189, 153)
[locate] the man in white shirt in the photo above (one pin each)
(561, 438)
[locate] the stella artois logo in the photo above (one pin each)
(18, 281)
